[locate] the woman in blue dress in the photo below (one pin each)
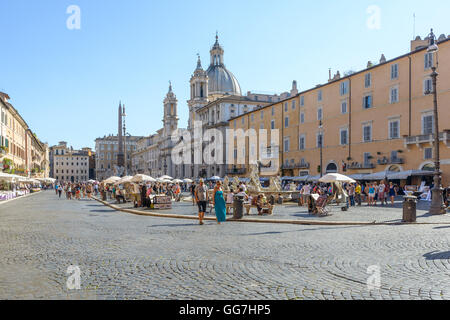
(219, 203)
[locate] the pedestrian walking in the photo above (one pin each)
(219, 203)
(201, 197)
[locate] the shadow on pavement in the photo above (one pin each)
(435, 255)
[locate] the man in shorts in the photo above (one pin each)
(201, 197)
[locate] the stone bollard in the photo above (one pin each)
(409, 209)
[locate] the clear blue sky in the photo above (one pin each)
(67, 83)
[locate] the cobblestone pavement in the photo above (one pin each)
(291, 211)
(123, 256)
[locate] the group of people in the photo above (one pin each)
(140, 194)
(76, 190)
(357, 192)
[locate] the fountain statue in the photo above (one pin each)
(255, 184)
(275, 184)
(226, 184)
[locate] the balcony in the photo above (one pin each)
(386, 161)
(357, 166)
(428, 138)
(234, 171)
(301, 165)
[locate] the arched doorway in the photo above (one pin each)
(394, 168)
(332, 168)
(428, 167)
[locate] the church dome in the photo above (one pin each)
(220, 79)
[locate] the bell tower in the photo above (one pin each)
(170, 113)
(199, 91)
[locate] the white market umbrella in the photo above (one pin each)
(126, 179)
(142, 178)
(166, 178)
(336, 177)
(187, 180)
(111, 179)
(215, 178)
(6, 176)
(177, 181)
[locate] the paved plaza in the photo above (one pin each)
(125, 256)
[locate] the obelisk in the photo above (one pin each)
(120, 155)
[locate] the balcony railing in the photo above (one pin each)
(236, 171)
(301, 165)
(357, 165)
(386, 161)
(428, 138)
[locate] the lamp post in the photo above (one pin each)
(437, 207)
(321, 147)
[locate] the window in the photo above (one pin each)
(262, 115)
(344, 107)
(273, 111)
(319, 95)
(367, 102)
(428, 124)
(286, 145)
(394, 71)
(319, 140)
(285, 107)
(272, 124)
(427, 86)
(344, 88)
(394, 129)
(367, 158)
(302, 117)
(243, 120)
(367, 133)
(301, 142)
(343, 137)
(293, 104)
(394, 95)
(368, 80)
(319, 114)
(302, 101)
(286, 122)
(253, 117)
(428, 153)
(428, 60)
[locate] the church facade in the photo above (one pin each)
(215, 98)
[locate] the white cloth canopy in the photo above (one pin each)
(215, 178)
(111, 179)
(187, 180)
(166, 178)
(126, 179)
(402, 175)
(142, 178)
(177, 181)
(336, 177)
(383, 175)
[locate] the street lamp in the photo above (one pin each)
(437, 206)
(321, 147)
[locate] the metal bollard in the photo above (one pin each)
(409, 209)
(238, 206)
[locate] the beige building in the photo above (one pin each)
(70, 165)
(21, 152)
(377, 119)
(106, 150)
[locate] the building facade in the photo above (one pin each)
(21, 152)
(71, 165)
(106, 151)
(378, 119)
